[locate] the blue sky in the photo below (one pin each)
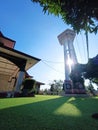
(36, 34)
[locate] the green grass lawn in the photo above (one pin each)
(48, 113)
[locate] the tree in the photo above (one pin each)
(56, 86)
(28, 87)
(90, 88)
(80, 14)
(88, 71)
(92, 68)
(95, 80)
(76, 75)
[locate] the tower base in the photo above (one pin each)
(78, 88)
(77, 95)
(75, 91)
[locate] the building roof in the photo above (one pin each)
(1, 35)
(40, 83)
(9, 68)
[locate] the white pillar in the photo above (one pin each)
(19, 81)
(72, 52)
(67, 69)
(66, 39)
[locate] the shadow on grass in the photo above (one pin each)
(62, 113)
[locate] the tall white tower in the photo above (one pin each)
(77, 85)
(66, 39)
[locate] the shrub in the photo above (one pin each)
(28, 86)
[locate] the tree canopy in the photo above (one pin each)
(80, 14)
(88, 71)
(56, 85)
(92, 68)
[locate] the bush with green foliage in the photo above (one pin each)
(28, 86)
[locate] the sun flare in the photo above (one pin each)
(69, 61)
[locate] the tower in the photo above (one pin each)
(66, 39)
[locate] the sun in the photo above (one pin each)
(69, 62)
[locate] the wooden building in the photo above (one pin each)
(13, 65)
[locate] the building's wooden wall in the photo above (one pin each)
(6, 84)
